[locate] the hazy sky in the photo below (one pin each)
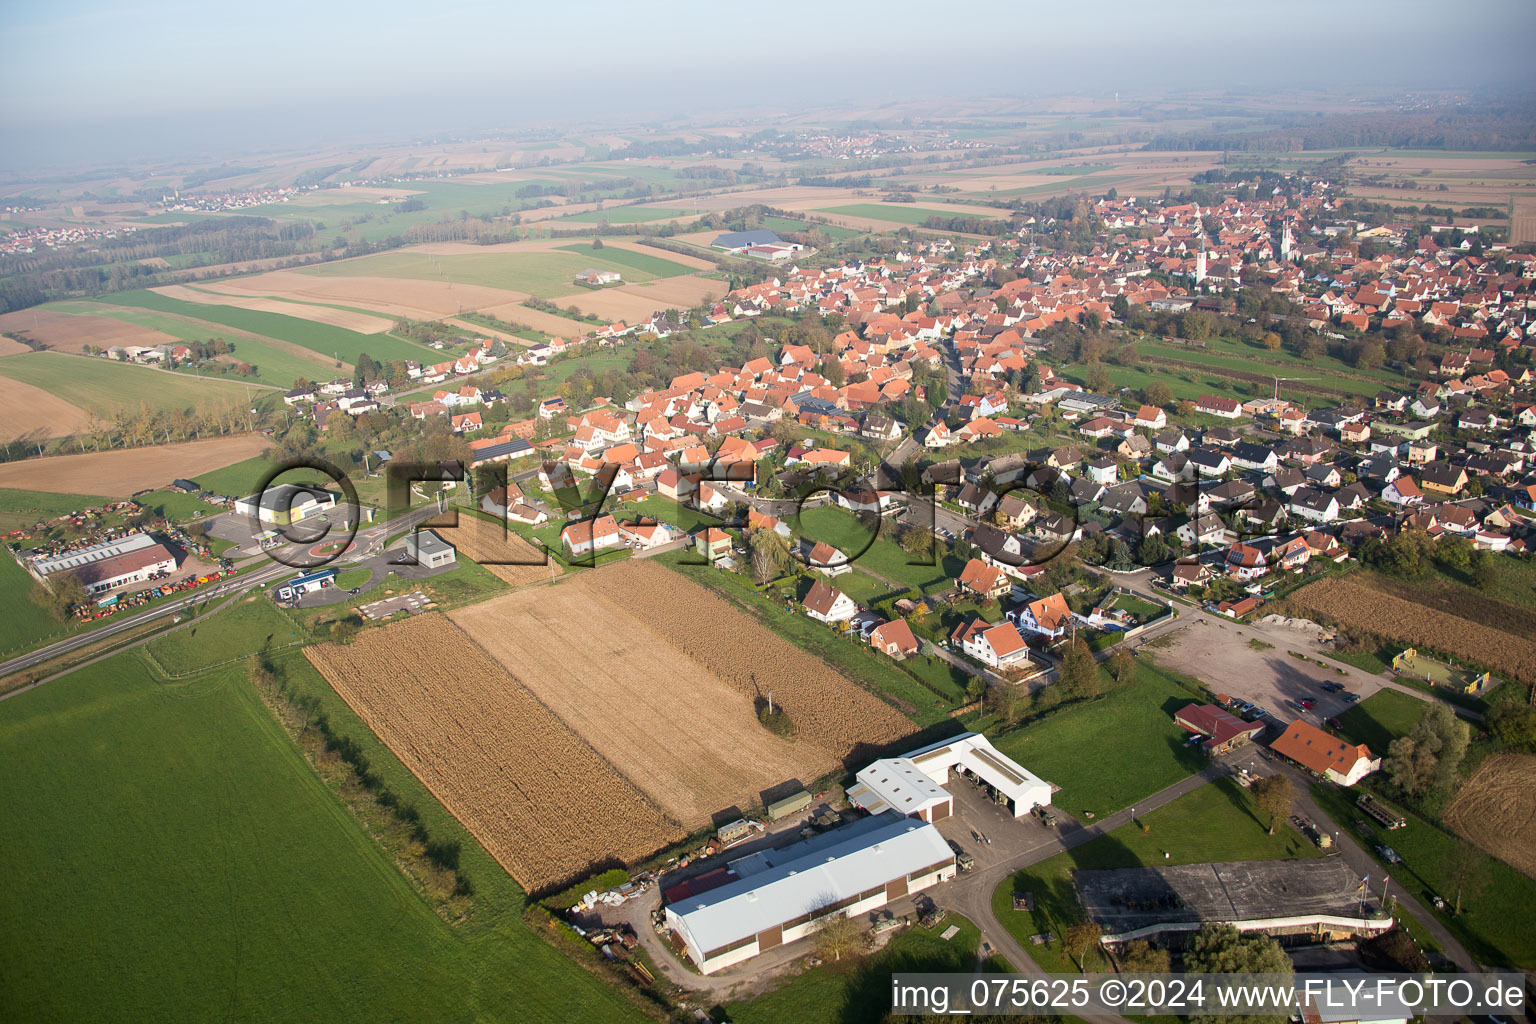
(114, 77)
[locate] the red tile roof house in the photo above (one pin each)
(1212, 405)
(998, 646)
(894, 638)
(1329, 756)
(591, 535)
(825, 603)
(984, 580)
(826, 559)
(1222, 730)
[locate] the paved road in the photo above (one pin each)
(368, 543)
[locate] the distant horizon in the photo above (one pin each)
(165, 81)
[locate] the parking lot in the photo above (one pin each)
(1255, 662)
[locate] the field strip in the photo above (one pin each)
(362, 323)
(235, 334)
(118, 474)
(482, 330)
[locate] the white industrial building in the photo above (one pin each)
(782, 894)
(284, 504)
(102, 567)
(429, 550)
(912, 784)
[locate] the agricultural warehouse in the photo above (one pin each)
(899, 783)
(1329, 756)
(784, 893)
(1222, 730)
(116, 563)
(430, 550)
(1312, 899)
(284, 504)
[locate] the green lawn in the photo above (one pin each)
(898, 213)
(1138, 748)
(104, 387)
(545, 275)
(248, 626)
(628, 215)
(177, 507)
(665, 510)
(325, 339)
(26, 624)
(1216, 823)
(859, 992)
(1494, 901)
(238, 480)
(884, 556)
(185, 863)
(1381, 718)
(860, 586)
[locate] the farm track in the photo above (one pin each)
(541, 801)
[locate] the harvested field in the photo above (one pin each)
(11, 348)
(539, 799)
(118, 474)
(1462, 602)
(633, 302)
(30, 412)
(486, 542)
(1353, 604)
(517, 313)
(687, 738)
(1496, 809)
(692, 262)
(828, 710)
(391, 296)
(64, 332)
(360, 322)
(1523, 227)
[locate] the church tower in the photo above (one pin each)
(1285, 243)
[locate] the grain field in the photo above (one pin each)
(541, 801)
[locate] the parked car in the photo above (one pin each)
(1351, 697)
(1333, 687)
(1388, 854)
(1308, 703)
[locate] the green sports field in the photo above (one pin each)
(103, 386)
(544, 275)
(171, 856)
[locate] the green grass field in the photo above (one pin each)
(185, 863)
(783, 224)
(858, 992)
(20, 509)
(1139, 748)
(1495, 898)
(1215, 823)
(643, 263)
(542, 274)
(237, 480)
(896, 213)
(629, 215)
(104, 387)
(176, 507)
(884, 557)
(26, 624)
(235, 632)
(1381, 718)
(337, 342)
(277, 367)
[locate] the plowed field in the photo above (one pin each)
(1496, 809)
(1352, 604)
(690, 740)
(828, 710)
(487, 543)
(538, 798)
